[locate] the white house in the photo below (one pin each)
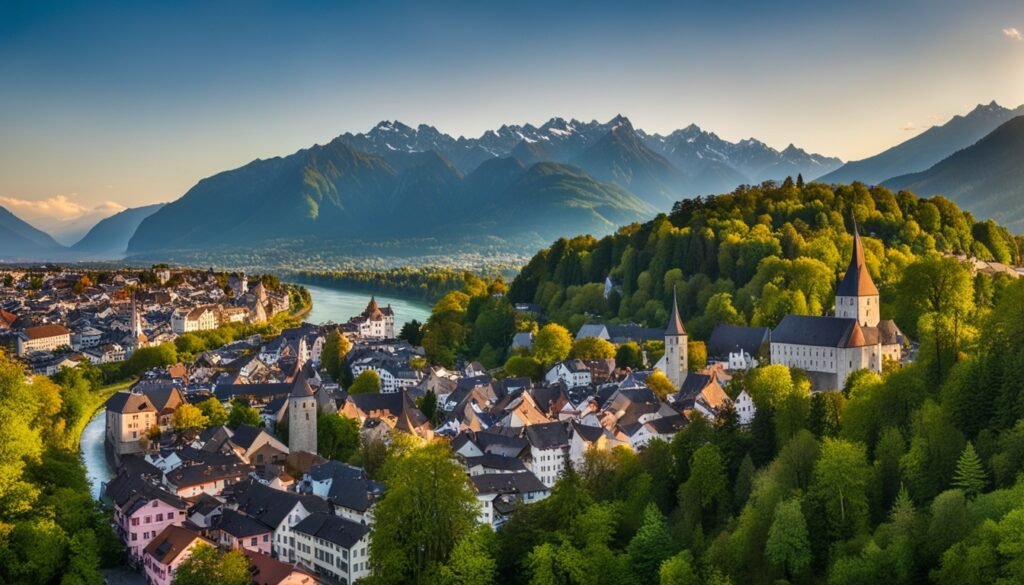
(745, 408)
(333, 547)
(573, 372)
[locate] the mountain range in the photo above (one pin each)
(106, 240)
(517, 186)
(986, 178)
(926, 149)
(516, 183)
(19, 240)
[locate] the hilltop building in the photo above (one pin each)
(856, 338)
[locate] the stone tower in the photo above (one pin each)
(676, 366)
(857, 295)
(302, 413)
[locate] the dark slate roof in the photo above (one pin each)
(355, 493)
(128, 402)
(857, 280)
(729, 338)
(335, 469)
(127, 489)
(668, 425)
(507, 483)
(499, 443)
(692, 385)
(200, 473)
(271, 506)
(225, 392)
(245, 435)
(491, 461)
(819, 331)
(889, 333)
(204, 504)
(619, 333)
(331, 528)
(548, 435)
(589, 433)
(239, 525)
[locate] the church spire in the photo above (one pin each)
(857, 281)
(675, 324)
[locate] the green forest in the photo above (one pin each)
(912, 476)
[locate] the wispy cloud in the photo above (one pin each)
(1013, 34)
(59, 207)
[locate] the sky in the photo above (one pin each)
(111, 105)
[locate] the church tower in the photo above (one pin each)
(676, 357)
(302, 413)
(857, 295)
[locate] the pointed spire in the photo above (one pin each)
(301, 387)
(857, 281)
(675, 324)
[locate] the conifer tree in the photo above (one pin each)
(970, 475)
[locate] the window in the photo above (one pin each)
(159, 517)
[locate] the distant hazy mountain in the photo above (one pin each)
(705, 162)
(986, 178)
(336, 191)
(925, 149)
(108, 239)
(716, 165)
(620, 156)
(21, 241)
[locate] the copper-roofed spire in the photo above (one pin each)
(857, 281)
(675, 324)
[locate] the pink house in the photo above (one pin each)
(142, 511)
(238, 531)
(168, 550)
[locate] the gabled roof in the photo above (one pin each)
(819, 331)
(266, 570)
(551, 435)
(857, 280)
(171, 542)
(240, 525)
(129, 403)
(331, 528)
(301, 387)
(727, 338)
(271, 506)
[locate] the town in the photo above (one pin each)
(223, 450)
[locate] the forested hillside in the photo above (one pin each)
(753, 256)
(912, 476)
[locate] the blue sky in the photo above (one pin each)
(121, 104)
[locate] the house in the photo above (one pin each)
(347, 488)
(745, 408)
(165, 396)
(500, 493)
(619, 334)
(49, 337)
(279, 510)
(190, 480)
(572, 373)
(735, 346)
(168, 550)
(197, 319)
(257, 446)
(235, 530)
(141, 511)
(128, 417)
(334, 547)
(584, 437)
(375, 321)
(549, 450)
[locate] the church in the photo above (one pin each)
(856, 338)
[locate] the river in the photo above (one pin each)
(329, 305)
(338, 304)
(97, 469)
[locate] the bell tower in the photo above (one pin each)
(676, 357)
